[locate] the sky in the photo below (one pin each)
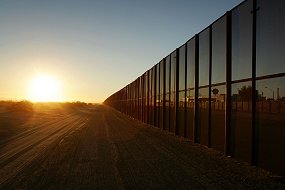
(93, 48)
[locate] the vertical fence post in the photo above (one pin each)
(163, 93)
(210, 83)
(196, 103)
(254, 128)
(143, 102)
(228, 130)
(176, 91)
(154, 94)
(147, 97)
(185, 92)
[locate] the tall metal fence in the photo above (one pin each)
(224, 88)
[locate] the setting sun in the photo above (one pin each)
(44, 88)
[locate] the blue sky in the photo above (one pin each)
(93, 47)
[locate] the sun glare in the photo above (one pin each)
(44, 88)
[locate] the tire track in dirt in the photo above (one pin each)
(114, 154)
(80, 161)
(21, 139)
(15, 163)
(28, 142)
(34, 127)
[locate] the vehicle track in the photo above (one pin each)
(13, 161)
(32, 138)
(33, 128)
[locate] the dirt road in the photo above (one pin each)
(100, 148)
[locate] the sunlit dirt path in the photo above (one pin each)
(100, 148)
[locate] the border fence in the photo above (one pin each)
(224, 88)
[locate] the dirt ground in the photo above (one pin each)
(100, 148)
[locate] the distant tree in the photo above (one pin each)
(23, 106)
(245, 93)
(215, 91)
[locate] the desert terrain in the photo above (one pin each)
(97, 147)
